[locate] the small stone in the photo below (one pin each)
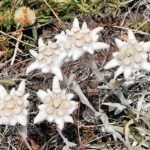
(79, 43)
(40, 56)
(129, 52)
(7, 98)
(138, 58)
(17, 110)
(10, 104)
(47, 99)
(88, 39)
(56, 103)
(78, 36)
(49, 110)
(7, 113)
(53, 45)
(67, 45)
(60, 112)
(127, 61)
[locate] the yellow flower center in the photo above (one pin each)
(127, 61)
(49, 109)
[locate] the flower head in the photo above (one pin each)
(57, 105)
(48, 59)
(132, 56)
(13, 105)
(24, 16)
(77, 41)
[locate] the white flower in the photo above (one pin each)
(132, 56)
(48, 59)
(13, 105)
(57, 105)
(78, 40)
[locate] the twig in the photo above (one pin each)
(23, 133)
(68, 144)
(53, 11)
(17, 39)
(137, 31)
(76, 88)
(16, 48)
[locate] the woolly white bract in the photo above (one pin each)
(48, 59)
(132, 56)
(78, 40)
(13, 106)
(57, 105)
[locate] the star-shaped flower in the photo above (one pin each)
(132, 56)
(57, 105)
(48, 59)
(78, 40)
(13, 105)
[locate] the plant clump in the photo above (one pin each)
(132, 56)
(13, 106)
(57, 105)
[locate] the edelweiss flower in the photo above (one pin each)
(78, 40)
(13, 106)
(57, 105)
(132, 56)
(48, 59)
(24, 16)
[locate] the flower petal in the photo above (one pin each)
(120, 43)
(50, 118)
(118, 72)
(33, 53)
(46, 69)
(42, 94)
(68, 118)
(76, 24)
(22, 119)
(70, 96)
(84, 28)
(146, 66)
(111, 64)
(3, 92)
(13, 122)
(41, 44)
(146, 46)
(21, 87)
(77, 54)
(60, 123)
(40, 117)
(88, 49)
(73, 107)
(127, 72)
(131, 36)
(31, 67)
